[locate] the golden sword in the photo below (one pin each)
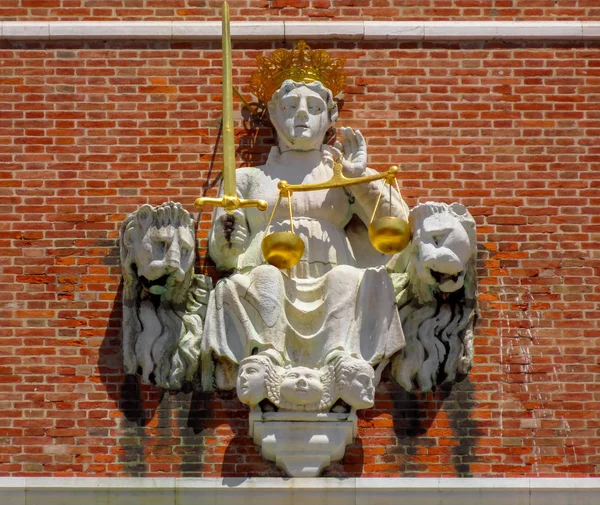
(229, 201)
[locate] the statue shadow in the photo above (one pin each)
(257, 136)
(414, 415)
(353, 462)
(136, 401)
(254, 141)
(241, 456)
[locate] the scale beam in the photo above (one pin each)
(338, 180)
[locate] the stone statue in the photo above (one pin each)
(355, 382)
(329, 301)
(297, 388)
(437, 297)
(163, 301)
(252, 378)
(304, 347)
(302, 386)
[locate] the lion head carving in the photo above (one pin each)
(162, 298)
(443, 243)
(157, 250)
(437, 297)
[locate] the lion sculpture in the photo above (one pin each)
(436, 297)
(164, 302)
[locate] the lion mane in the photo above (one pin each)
(438, 323)
(163, 316)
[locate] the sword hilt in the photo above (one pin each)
(230, 203)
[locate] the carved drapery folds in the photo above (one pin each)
(165, 304)
(305, 346)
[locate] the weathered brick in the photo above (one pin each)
(90, 131)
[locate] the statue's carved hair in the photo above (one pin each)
(161, 340)
(346, 367)
(270, 367)
(273, 378)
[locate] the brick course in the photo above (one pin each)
(264, 10)
(91, 131)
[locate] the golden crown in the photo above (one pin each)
(301, 64)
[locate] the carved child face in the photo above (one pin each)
(302, 386)
(301, 119)
(250, 385)
(359, 392)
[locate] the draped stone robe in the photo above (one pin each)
(326, 303)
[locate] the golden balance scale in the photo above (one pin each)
(283, 249)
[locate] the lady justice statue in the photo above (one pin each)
(337, 300)
(303, 342)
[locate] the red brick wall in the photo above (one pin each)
(90, 131)
(258, 10)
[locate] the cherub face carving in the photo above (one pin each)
(302, 386)
(356, 383)
(250, 384)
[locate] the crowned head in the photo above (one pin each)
(299, 86)
(301, 114)
(301, 64)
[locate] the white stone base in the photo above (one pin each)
(302, 443)
(242, 491)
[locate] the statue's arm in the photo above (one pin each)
(352, 149)
(365, 200)
(229, 236)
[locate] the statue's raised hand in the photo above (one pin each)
(353, 151)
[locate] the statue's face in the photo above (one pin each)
(302, 386)
(360, 392)
(250, 385)
(444, 250)
(165, 251)
(301, 119)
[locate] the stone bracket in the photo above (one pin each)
(303, 443)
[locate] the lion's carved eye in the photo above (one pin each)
(439, 238)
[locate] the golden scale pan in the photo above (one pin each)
(388, 234)
(284, 249)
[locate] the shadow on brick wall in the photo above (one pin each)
(135, 401)
(435, 431)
